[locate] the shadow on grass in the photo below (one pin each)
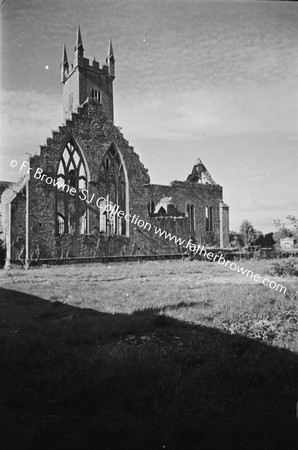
(78, 379)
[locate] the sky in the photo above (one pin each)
(211, 79)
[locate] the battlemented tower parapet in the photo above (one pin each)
(81, 80)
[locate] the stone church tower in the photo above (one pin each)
(81, 80)
(86, 195)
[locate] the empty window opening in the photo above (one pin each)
(191, 217)
(209, 218)
(151, 208)
(71, 210)
(95, 94)
(112, 187)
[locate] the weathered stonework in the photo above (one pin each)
(187, 209)
(199, 195)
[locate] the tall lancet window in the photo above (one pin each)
(191, 217)
(71, 213)
(112, 187)
(209, 218)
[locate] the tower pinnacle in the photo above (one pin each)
(64, 64)
(111, 60)
(79, 42)
(79, 49)
(111, 51)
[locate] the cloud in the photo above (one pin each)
(218, 112)
(189, 45)
(27, 118)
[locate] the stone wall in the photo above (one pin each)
(199, 195)
(18, 220)
(224, 225)
(3, 186)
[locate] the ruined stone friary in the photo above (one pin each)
(97, 169)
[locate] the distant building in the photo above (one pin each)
(90, 155)
(287, 243)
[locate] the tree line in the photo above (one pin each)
(249, 237)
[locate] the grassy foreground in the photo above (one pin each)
(157, 355)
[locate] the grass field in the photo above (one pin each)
(154, 355)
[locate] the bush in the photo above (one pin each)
(284, 268)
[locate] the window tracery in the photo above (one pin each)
(71, 212)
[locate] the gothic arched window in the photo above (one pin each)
(151, 207)
(71, 211)
(190, 210)
(112, 186)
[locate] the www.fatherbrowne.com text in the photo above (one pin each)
(103, 204)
